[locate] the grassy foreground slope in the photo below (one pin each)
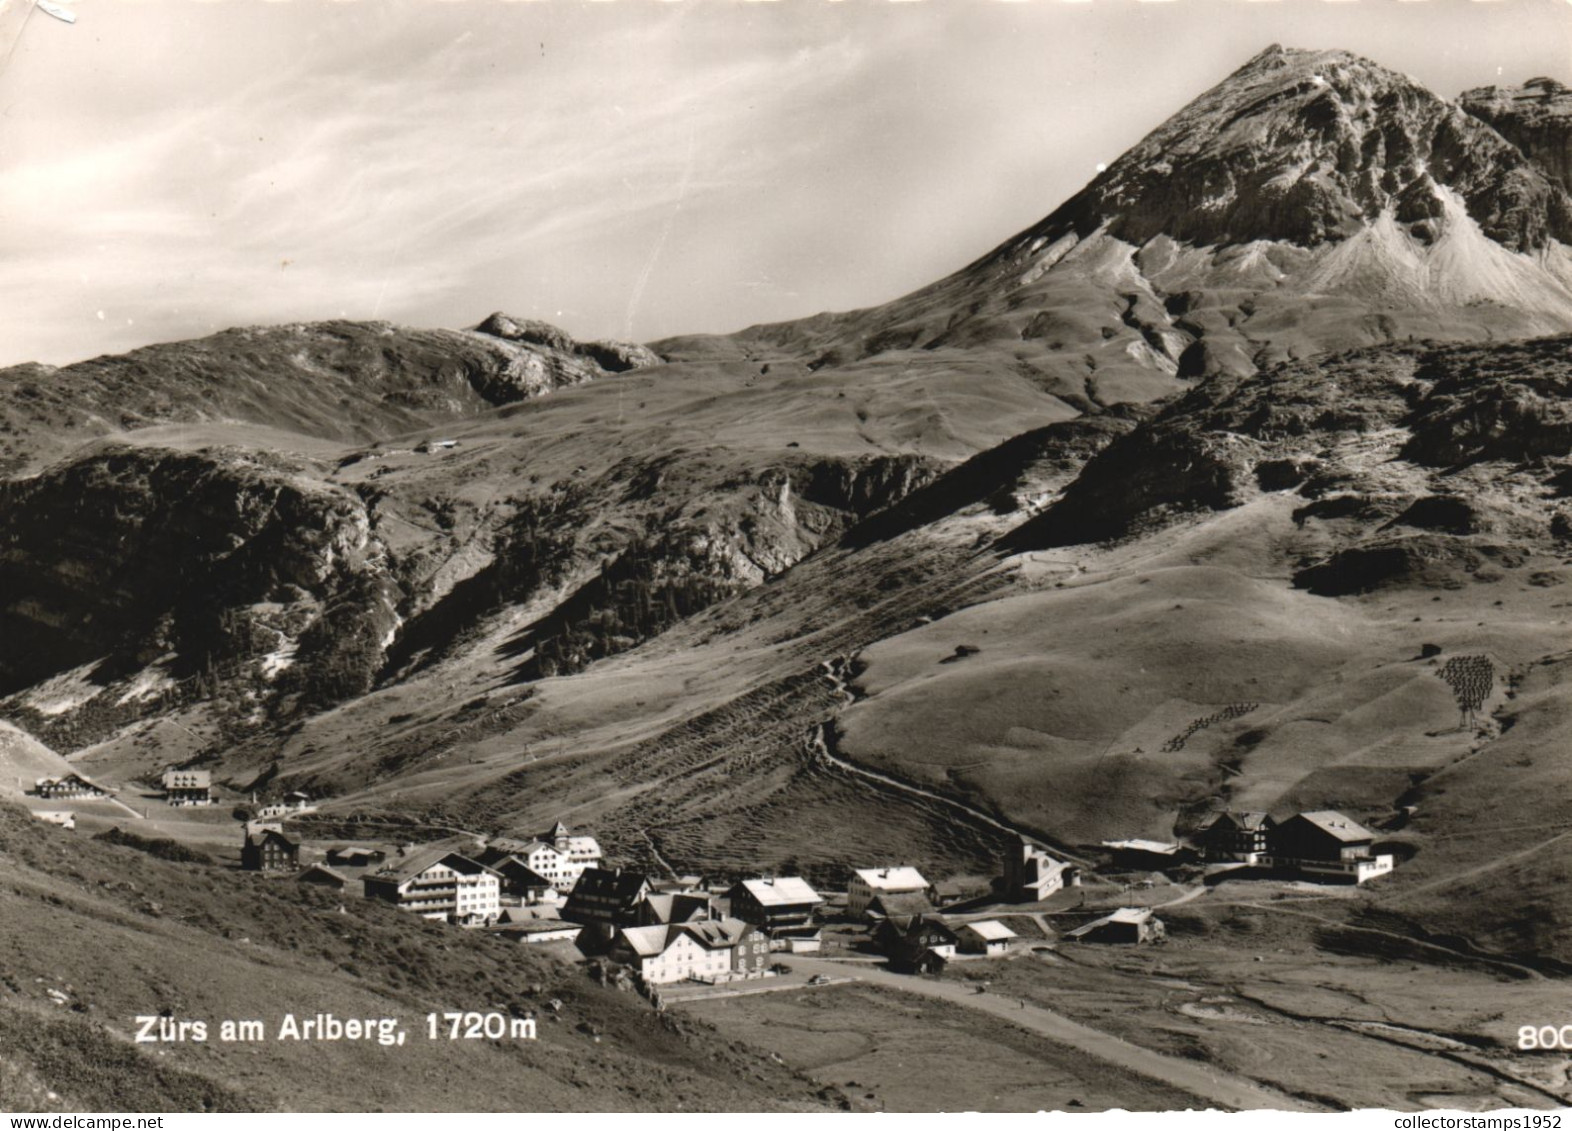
(96, 935)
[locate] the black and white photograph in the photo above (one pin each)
(705, 556)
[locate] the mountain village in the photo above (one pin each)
(558, 887)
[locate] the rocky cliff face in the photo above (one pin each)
(136, 578)
(1310, 147)
(623, 556)
(1536, 117)
(139, 579)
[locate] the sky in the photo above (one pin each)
(625, 168)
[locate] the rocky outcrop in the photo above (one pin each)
(1536, 117)
(1509, 403)
(618, 558)
(1018, 473)
(1139, 479)
(1408, 457)
(158, 577)
(528, 330)
(1418, 562)
(606, 356)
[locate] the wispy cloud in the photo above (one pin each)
(640, 168)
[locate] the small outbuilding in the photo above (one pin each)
(1126, 925)
(987, 937)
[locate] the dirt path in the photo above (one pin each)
(1455, 878)
(127, 808)
(819, 746)
(1221, 1088)
(1525, 972)
(660, 861)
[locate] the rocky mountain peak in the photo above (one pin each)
(1309, 146)
(1311, 201)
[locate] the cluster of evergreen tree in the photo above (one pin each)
(646, 589)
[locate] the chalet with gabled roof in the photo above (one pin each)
(188, 787)
(776, 904)
(1138, 854)
(522, 882)
(71, 785)
(989, 936)
(355, 856)
(1244, 837)
(559, 855)
(1326, 845)
(439, 883)
(320, 875)
(673, 907)
(605, 900)
(907, 939)
(899, 905)
(712, 950)
(269, 850)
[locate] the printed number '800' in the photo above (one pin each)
(1544, 1037)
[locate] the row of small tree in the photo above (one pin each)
(1472, 679)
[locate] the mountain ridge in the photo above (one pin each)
(474, 607)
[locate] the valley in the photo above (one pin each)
(1194, 497)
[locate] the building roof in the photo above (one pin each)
(990, 930)
(609, 883)
(782, 891)
(64, 778)
(1334, 824)
(903, 928)
(799, 933)
(509, 846)
(714, 934)
(324, 870)
(1156, 847)
(1131, 915)
(677, 885)
(903, 878)
(519, 871)
(893, 905)
(538, 926)
(408, 867)
(677, 906)
(1250, 822)
(647, 942)
(532, 915)
(343, 852)
(261, 836)
(189, 779)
